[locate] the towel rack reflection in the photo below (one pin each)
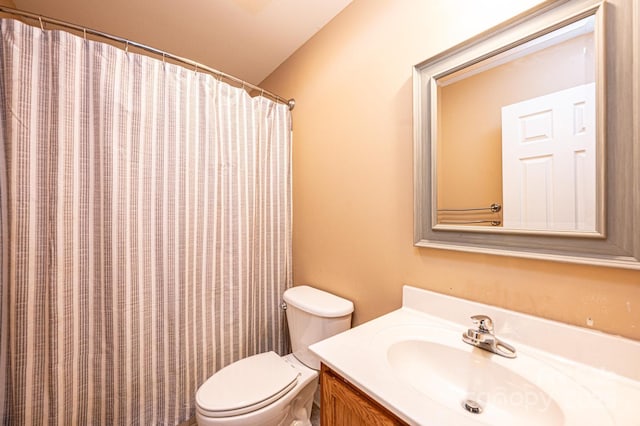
(493, 208)
(469, 222)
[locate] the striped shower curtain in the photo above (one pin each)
(145, 221)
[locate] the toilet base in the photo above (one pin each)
(293, 409)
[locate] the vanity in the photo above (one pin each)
(411, 366)
(343, 403)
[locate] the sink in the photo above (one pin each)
(453, 377)
(414, 363)
(488, 388)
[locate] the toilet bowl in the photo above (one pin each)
(267, 389)
(279, 397)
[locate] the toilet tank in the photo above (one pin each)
(314, 315)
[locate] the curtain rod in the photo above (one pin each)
(291, 102)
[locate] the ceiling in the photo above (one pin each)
(245, 38)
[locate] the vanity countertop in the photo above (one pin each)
(563, 374)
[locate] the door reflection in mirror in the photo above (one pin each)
(518, 129)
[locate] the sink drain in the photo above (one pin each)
(472, 406)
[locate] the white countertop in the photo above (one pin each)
(602, 366)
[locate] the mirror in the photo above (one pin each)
(517, 131)
(518, 137)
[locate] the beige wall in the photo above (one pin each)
(8, 3)
(352, 173)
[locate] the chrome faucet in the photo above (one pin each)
(484, 338)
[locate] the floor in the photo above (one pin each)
(315, 415)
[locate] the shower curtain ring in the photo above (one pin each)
(126, 46)
(41, 24)
(84, 33)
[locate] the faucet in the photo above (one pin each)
(484, 338)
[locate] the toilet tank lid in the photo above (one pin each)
(317, 302)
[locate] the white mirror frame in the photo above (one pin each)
(617, 243)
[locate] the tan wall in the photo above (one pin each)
(352, 174)
(470, 117)
(8, 3)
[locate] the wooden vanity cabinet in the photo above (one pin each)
(342, 404)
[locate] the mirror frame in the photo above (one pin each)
(617, 240)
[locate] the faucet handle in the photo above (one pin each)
(484, 323)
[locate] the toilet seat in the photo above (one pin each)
(246, 385)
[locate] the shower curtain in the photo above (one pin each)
(145, 220)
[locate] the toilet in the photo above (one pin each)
(267, 389)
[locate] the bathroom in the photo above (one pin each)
(353, 176)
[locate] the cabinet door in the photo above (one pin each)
(343, 404)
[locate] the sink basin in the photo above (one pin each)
(488, 388)
(454, 377)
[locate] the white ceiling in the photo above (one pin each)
(245, 38)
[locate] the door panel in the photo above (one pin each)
(549, 161)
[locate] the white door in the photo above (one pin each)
(549, 161)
